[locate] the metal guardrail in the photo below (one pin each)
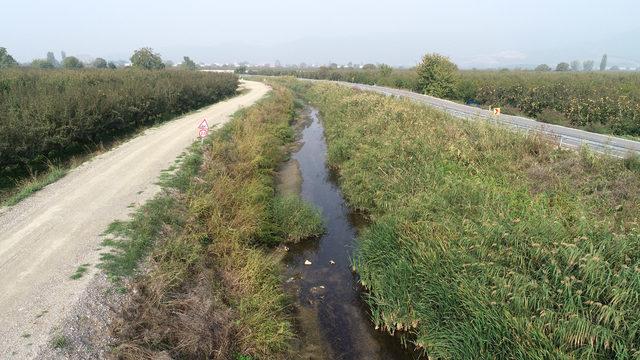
(566, 137)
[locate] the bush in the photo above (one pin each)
(72, 62)
(146, 58)
(385, 70)
(543, 67)
(189, 64)
(49, 116)
(100, 63)
(42, 64)
(437, 76)
(6, 60)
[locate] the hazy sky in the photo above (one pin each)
(472, 32)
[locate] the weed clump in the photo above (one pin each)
(80, 271)
(59, 342)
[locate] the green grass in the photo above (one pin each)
(28, 187)
(80, 271)
(295, 219)
(486, 243)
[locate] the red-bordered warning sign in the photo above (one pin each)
(203, 129)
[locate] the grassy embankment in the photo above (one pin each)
(212, 285)
(604, 102)
(50, 117)
(486, 243)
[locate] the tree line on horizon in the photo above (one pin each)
(146, 58)
(576, 65)
(143, 58)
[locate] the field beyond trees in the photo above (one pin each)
(604, 102)
(485, 243)
(48, 116)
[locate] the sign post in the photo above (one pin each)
(203, 130)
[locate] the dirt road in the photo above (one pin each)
(46, 237)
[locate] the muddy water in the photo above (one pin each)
(331, 316)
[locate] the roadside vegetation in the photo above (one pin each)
(605, 102)
(212, 285)
(34, 183)
(485, 243)
(49, 116)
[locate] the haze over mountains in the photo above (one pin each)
(406, 50)
(487, 34)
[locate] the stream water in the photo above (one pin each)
(332, 318)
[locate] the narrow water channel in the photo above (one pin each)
(331, 316)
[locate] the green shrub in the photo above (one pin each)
(146, 58)
(72, 62)
(100, 63)
(437, 76)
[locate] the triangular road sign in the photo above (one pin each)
(204, 125)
